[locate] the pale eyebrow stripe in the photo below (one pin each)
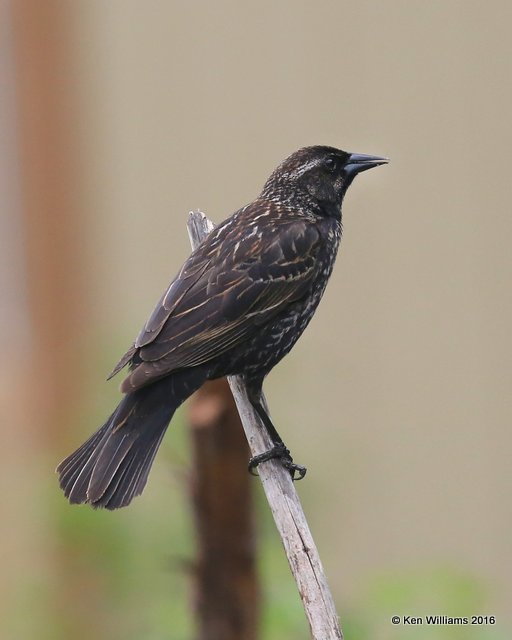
(306, 167)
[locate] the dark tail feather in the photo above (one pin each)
(112, 467)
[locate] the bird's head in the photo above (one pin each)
(317, 176)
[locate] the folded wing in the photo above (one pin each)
(221, 298)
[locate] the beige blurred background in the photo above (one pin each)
(117, 118)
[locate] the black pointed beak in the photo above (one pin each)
(358, 162)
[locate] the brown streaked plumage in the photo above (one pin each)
(237, 306)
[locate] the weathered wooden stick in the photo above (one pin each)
(284, 502)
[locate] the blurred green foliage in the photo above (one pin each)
(421, 592)
(126, 575)
(132, 569)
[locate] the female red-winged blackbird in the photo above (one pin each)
(238, 305)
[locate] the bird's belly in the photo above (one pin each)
(264, 350)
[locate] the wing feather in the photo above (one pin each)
(223, 295)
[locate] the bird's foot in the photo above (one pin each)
(281, 452)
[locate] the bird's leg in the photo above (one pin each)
(279, 450)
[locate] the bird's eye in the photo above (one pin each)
(330, 164)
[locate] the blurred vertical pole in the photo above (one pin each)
(52, 229)
(22, 544)
(53, 241)
(226, 583)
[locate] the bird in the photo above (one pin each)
(237, 306)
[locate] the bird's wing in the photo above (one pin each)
(189, 274)
(231, 291)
